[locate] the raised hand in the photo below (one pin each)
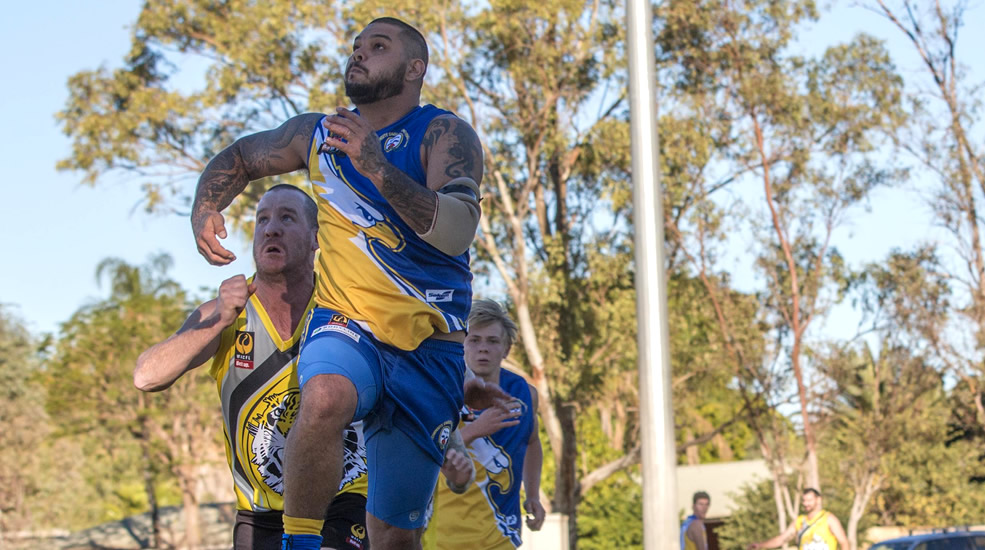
(234, 292)
(353, 135)
(495, 418)
(480, 394)
(207, 226)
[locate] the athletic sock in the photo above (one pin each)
(300, 542)
(301, 533)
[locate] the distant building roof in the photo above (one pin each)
(721, 480)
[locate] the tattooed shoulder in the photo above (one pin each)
(305, 124)
(464, 153)
(438, 127)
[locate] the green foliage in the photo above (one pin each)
(123, 435)
(611, 514)
(920, 491)
(754, 518)
(263, 63)
(21, 481)
(703, 369)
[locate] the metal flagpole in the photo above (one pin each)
(660, 527)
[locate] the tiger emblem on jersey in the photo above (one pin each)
(353, 463)
(267, 431)
(268, 438)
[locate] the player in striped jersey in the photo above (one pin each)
(251, 332)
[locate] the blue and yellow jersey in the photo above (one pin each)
(686, 542)
(488, 515)
(256, 374)
(396, 286)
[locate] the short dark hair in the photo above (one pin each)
(310, 208)
(700, 495)
(813, 491)
(417, 46)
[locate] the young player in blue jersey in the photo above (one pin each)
(504, 444)
(397, 187)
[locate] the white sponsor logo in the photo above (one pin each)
(816, 544)
(441, 295)
(336, 328)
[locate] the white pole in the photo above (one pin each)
(660, 527)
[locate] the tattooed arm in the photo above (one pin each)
(444, 215)
(278, 151)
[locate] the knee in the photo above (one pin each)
(384, 535)
(328, 399)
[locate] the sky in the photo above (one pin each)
(55, 231)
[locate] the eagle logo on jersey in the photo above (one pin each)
(441, 434)
(498, 480)
(394, 140)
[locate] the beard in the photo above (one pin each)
(383, 87)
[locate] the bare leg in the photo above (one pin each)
(384, 536)
(313, 456)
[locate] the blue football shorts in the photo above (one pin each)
(408, 402)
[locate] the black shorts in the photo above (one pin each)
(345, 527)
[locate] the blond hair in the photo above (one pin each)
(485, 312)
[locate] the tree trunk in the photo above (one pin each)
(155, 513)
(691, 453)
(528, 337)
(794, 317)
(147, 468)
(189, 500)
(781, 510)
(811, 465)
(566, 494)
(864, 491)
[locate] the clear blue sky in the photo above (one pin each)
(55, 232)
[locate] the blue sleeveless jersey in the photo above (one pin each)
(373, 266)
(489, 514)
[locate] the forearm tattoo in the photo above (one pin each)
(250, 158)
(223, 179)
(448, 139)
(415, 203)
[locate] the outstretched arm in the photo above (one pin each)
(278, 151)
(195, 342)
(778, 540)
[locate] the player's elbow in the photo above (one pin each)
(143, 377)
(456, 218)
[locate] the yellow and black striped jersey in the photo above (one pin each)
(256, 374)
